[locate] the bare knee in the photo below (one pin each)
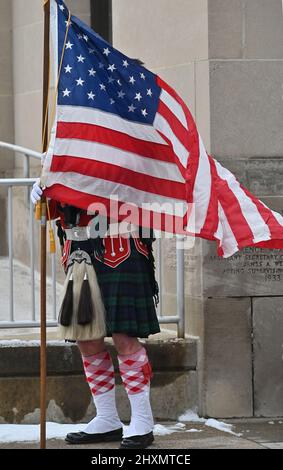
(126, 344)
(89, 348)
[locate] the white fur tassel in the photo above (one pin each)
(96, 329)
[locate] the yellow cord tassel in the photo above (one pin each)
(38, 211)
(52, 244)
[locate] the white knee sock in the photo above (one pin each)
(99, 373)
(106, 418)
(136, 372)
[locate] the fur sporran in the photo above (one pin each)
(82, 313)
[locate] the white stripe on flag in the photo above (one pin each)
(249, 209)
(103, 188)
(104, 153)
(202, 188)
(225, 234)
(162, 125)
(174, 107)
(111, 121)
(278, 217)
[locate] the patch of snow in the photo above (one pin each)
(270, 422)
(16, 343)
(192, 416)
(224, 427)
(31, 432)
(161, 430)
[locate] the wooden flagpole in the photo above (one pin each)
(43, 232)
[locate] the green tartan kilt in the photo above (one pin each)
(127, 295)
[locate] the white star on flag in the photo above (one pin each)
(69, 45)
(121, 94)
(80, 82)
(66, 92)
(149, 92)
(92, 72)
(138, 96)
(125, 63)
(102, 87)
(132, 80)
(81, 58)
(131, 108)
(144, 112)
(106, 51)
(112, 67)
(68, 69)
(91, 95)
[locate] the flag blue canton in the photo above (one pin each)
(96, 75)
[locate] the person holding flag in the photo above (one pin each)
(119, 129)
(124, 274)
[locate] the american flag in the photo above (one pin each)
(121, 130)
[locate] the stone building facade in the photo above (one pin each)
(225, 58)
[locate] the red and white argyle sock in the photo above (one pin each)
(136, 373)
(99, 372)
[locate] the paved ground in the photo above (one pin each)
(255, 434)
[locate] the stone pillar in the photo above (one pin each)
(225, 59)
(6, 106)
(6, 85)
(246, 114)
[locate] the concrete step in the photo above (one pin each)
(173, 391)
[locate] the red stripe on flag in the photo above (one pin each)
(230, 204)
(119, 175)
(211, 221)
(178, 129)
(174, 158)
(103, 135)
(140, 216)
(193, 160)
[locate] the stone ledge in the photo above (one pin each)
(19, 360)
(69, 399)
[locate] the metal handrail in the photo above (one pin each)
(19, 149)
(10, 183)
(17, 181)
(27, 153)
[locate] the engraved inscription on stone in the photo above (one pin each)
(255, 261)
(252, 271)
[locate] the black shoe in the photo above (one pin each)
(137, 442)
(86, 438)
